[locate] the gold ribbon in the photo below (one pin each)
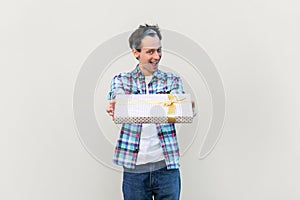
(171, 108)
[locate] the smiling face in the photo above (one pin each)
(149, 55)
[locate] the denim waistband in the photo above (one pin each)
(148, 167)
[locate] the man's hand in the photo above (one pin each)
(111, 108)
(193, 107)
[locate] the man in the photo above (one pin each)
(149, 153)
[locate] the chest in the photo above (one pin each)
(155, 86)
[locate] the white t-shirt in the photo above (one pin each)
(150, 148)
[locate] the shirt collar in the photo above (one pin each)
(137, 73)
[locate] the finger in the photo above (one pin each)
(108, 110)
(193, 103)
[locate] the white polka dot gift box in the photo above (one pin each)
(153, 108)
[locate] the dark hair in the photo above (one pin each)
(143, 31)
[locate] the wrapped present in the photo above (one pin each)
(153, 108)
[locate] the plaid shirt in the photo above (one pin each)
(127, 147)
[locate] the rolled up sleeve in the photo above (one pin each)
(116, 87)
(176, 87)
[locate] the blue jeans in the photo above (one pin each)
(162, 184)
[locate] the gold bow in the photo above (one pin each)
(171, 107)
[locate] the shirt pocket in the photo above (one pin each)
(131, 89)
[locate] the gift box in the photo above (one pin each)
(153, 108)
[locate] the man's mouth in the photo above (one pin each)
(154, 63)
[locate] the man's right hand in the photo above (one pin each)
(111, 108)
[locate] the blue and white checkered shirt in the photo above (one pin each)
(127, 147)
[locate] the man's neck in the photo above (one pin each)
(145, 72)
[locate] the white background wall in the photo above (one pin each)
(254, 45)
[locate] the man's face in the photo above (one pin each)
(150, 54)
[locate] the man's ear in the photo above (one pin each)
(136, 54)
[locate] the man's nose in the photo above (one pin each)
(156, 55)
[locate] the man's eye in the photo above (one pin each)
(150, 52)
(158, 50)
